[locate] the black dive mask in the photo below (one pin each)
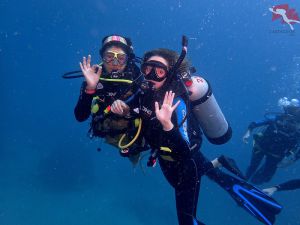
(154, 70)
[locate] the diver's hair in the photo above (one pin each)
(170, 56)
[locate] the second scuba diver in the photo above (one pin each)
(115, 78)
(174, 134)
(278, 141)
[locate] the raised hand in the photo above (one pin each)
(164, 113)
(91, 73)
(270, 191)
(246, 137)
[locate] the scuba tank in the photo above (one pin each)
(203, 103)
(207, 111)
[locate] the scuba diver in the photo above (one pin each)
(286, 186)
(116, 78)
(290, 157)
(277, 142)
(175, 137)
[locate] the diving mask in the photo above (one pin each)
(154, 70)
(117, 58)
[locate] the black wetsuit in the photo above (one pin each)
(274, 142)
(107, 91)
(105, 124)
(179, 154)
(107, 95)
(289, 185)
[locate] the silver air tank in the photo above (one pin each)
(207, 111)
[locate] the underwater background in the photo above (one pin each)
(51, 172)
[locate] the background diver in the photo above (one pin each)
(278, 138)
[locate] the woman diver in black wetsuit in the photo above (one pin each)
(115, 78)
(174, 135)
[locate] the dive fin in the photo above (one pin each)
(253, 200)
(231, 166)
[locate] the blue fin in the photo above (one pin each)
(257, 203)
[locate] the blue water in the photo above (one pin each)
(50, 171)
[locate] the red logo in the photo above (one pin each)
(286, 14)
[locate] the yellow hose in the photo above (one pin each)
(133, 140)
(116, 80)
